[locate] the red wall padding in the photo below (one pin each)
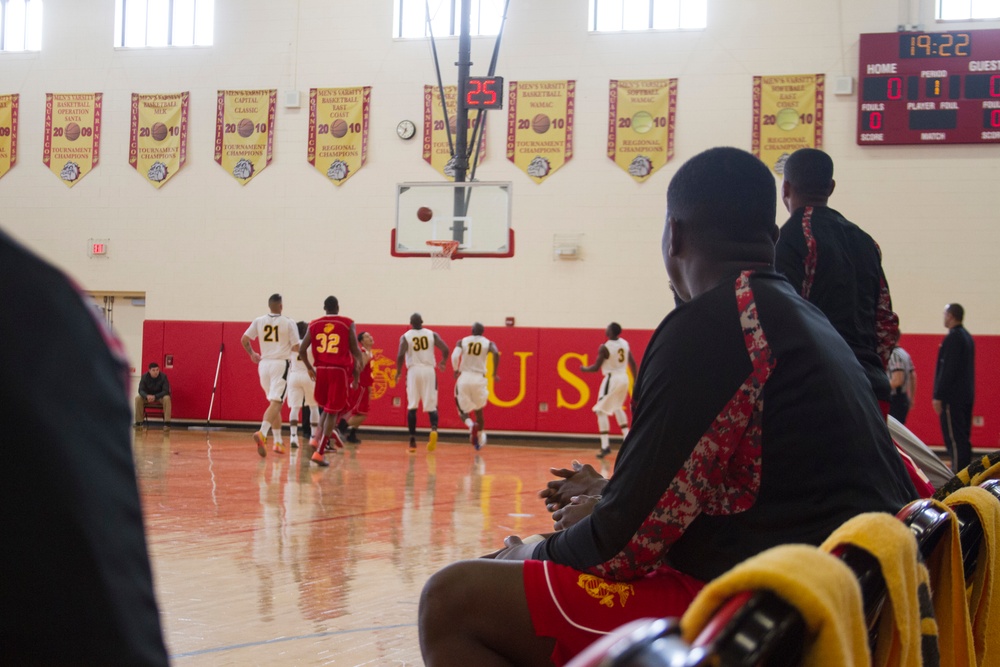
(540, 387)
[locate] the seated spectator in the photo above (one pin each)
(753, 426)
(154, 389)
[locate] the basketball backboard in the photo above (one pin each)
(475, 214)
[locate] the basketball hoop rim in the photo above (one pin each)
(448, 248)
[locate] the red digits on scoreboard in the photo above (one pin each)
(894, 88)
(472, 95)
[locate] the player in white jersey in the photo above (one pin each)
(469, 359)
(416, 347)
(301, 393)
(614, 359)
(277, 337)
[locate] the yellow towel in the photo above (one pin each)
(951, 609)
(821, 587)
(985, 467)
(985, 584)
(906, 633)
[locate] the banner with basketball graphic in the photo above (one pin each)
(8, 132)
(787, 116)
(72, 143)
(244, 131)
(338, 130)
(157, 146)
(437, 150)
(540, 126)
(641, 115)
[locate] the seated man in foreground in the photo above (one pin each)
(753, 426)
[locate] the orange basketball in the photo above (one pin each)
(540, 123)
(245, 128)
(424, 214)
(159, 131)
(72, 131)
(338, 128)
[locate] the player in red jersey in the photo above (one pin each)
(360, 398)
(338, 360)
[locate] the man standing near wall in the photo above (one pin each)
(278, 337)
(903, 380)
(416, 347)
(614, 359)
(954, 387)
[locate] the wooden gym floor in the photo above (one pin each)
(276, 561)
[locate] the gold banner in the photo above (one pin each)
(641, 117)
(787, 116)
(158, 141)
(72, 144)
(244, 131)
(540, 126)
(8, 132)
(437, 151)
(338, 130)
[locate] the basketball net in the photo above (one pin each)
(441, 254)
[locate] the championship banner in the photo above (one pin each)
(437, 152)
(72, 144)
(787, 116)
(8, 132)
(338, 130)
(244, 131)
(641, 116)
(540, 126)
(158, 140)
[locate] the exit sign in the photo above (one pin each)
(97, 247)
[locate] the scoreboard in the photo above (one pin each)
(929, 88)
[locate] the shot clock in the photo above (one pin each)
(929, 88)
(483, 92)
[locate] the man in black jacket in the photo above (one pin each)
(153, 388)
(954, 387)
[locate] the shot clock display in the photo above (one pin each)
(482, 92)
(929, 88)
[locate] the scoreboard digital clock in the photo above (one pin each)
(929, 88)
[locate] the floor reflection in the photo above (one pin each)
(278, 561)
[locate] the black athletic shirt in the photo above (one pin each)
(754, 426)
(838, 267)
(76, 585)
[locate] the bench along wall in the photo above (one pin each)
(540, 390)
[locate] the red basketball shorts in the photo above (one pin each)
(359, 400)
(332, 384)
(576, 609)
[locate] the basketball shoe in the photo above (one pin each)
(319, 460)
(279, 448)
(432, 441)
(261, 441)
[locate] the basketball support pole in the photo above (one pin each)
(211, 403)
